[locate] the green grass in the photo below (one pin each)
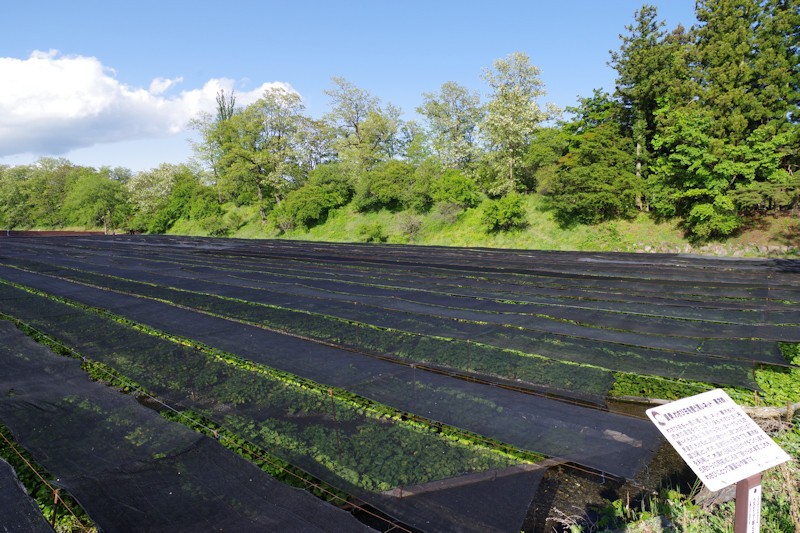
(465, 229)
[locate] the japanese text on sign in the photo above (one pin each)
(716, 438)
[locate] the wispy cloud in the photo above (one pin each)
(52, 103)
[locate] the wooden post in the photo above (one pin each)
(55, 508)
(747, 517)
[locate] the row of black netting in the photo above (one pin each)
(129, 468)
(661, 276)
(683, 270)
(18, 512)
(500, 345)
(400, 467)
(406, 327)
(577, 319)
(769, 289)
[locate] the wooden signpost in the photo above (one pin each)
(723, 446)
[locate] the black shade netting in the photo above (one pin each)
(131, 469)
(291, 329)
(653, 324)
(673, 341)
(364, 450)
(18, 512)
(489, 349)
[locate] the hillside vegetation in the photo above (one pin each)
(699, 142)
(448, 226)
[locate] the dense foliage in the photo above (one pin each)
(702, 127)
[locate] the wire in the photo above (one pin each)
(56, 492)
(180, 412)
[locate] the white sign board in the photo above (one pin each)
(716, 438)
(753, 510)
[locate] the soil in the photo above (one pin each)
(16, 233)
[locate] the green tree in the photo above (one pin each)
(644, 66)
(596, 180)
(315, 143)
(725, 54)
(326, 188)
(547, 147)
(214, 135)
(161, 196)
(149, 193)
(689, 182)
(14, 198)
(391, 185)
(512, 116)
(93, 198)
(260, 146)
(366, 133)
(733, 138)
(48, 181)
(453, 116)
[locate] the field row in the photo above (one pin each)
(423, 381)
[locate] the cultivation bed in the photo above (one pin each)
(130, 469)
(437, 385)
(18, 512)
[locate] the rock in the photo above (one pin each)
(705, 498)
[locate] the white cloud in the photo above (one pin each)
(51, 104)
(160, 85)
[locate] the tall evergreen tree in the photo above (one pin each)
(596, 179)
(642, 64)
(731, 137)
(726, 54)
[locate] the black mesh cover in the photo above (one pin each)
(132, 470)
(18, 512)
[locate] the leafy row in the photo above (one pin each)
(312, 418)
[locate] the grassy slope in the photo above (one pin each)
(641, 234)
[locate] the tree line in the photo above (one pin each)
(702, 126)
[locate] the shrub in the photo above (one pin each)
(215, 226)
(504, 213)
(455, 188)
(448, 212)
(282, 217)
(409, 225)
(371, 232)
(393, 185)
(332, 179)
(235, 220)
(309, 205)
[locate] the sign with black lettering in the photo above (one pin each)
(716, 438)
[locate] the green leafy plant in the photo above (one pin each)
(504, 213)
(372, 232)
(66, 514)
(453, 187)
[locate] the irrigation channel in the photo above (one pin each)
(414, 388)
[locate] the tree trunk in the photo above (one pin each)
(639, 203)
(511, 170)
(219, 188)
(261, 204)
(638, 159)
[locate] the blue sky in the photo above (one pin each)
(114, 83)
